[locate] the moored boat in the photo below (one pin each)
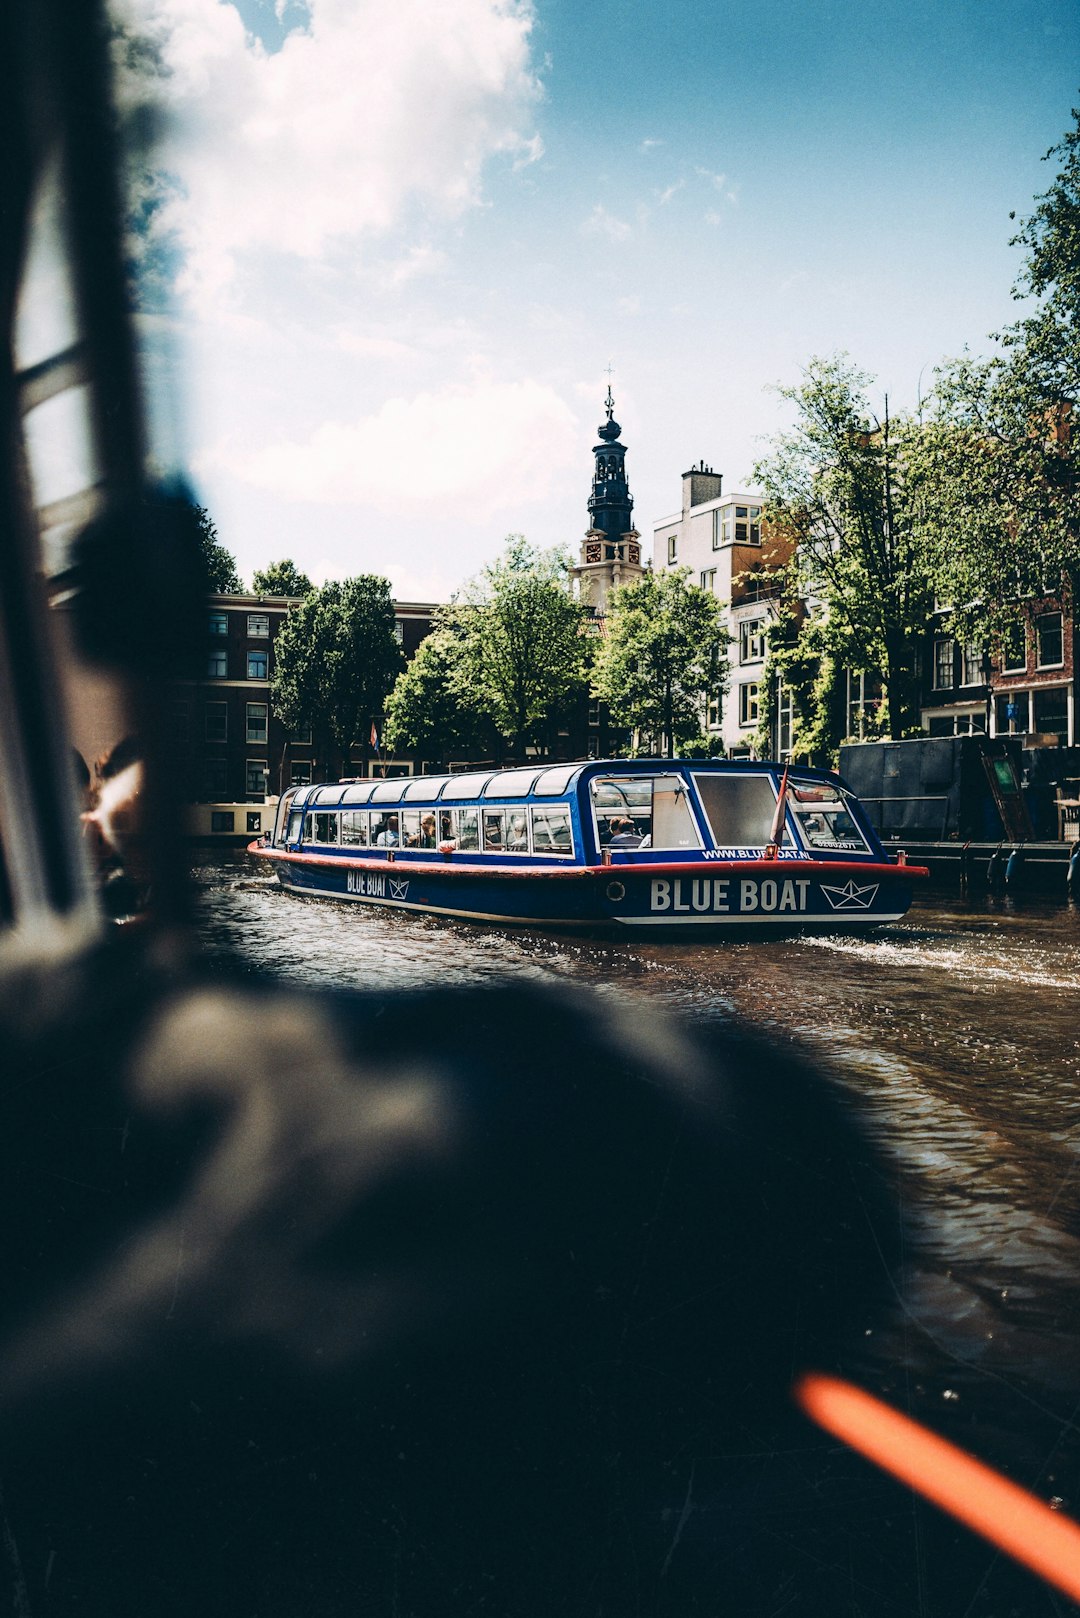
(655, 845)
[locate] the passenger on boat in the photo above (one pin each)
(625, 834)
(427, 831)
(387, 835)
(519, 834)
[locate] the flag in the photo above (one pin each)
(374, 737)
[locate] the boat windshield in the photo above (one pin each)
(633, 811)
(740, 808)
(823, 814)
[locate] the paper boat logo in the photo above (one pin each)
(851, 896)
(400, 890)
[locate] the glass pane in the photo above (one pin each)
(466, 786)
(740, 809)
(468, 831)
(511, 784)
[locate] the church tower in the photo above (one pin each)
(611, 549)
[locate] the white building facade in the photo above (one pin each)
(718, 537)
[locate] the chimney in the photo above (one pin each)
(701, 483)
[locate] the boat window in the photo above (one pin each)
(517, 831)
(740, 809)
(410, 828)
(511, 784)
(360, 793)
(446, 827)
(424, 788)
(468, 829)
(389, 791)
(324, 796)
(673, 824)
(623, 809)
(824, 817)
(354, 827)
(551, 832)
(295, 822)
(553, 783)
(494, 831)
(385, 831)
(324, 827)
(466, 786)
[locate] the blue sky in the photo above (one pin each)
(413, 237)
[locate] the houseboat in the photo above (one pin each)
(649, 845)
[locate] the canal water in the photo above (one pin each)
(957, 1036)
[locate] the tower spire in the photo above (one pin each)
(611, 550)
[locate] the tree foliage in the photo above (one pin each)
(661, 660)
(425, 712)
(997, 460)
(336, 658)
(219, 565)
(521, 651)
(837, 483)
(282, 578)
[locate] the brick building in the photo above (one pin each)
(230, 747)
(1027, 689)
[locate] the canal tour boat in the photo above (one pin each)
(655, 846)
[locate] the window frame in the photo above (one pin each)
(249, 737)
(1041, 617)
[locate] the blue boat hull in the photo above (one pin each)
(735, 899)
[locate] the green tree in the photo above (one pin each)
(837, 482)
(998, 457)
(522, 650)
(282, 578)
(425, 712)
(218, 564)
(662, 660)
(336, 657)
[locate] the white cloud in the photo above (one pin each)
(364, 110)
(473, 449)
(671, 191)
(602, 223)
(648, 144)
(717, 180)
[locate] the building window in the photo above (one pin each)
(1048, 640)
(399, 631)
(257, 665)
(1052, 712)
(973, 661)
(713, 714)
(256, 722)
(300, 773)
(218, 623)
(258, 626)
(748, 525)
(1012, 709)
(708, 579)
(216, 728)
(863, 696)
(594, 711)
(213, 779)
(748, 704)
(221, 820)
(721, 534)
(1014, 650)
(785, 720)
(302, 734)
(217, 664)
(672, 547)
(944, 672)
(256, 775)
(751, 640)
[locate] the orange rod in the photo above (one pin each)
(1014, 1520)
